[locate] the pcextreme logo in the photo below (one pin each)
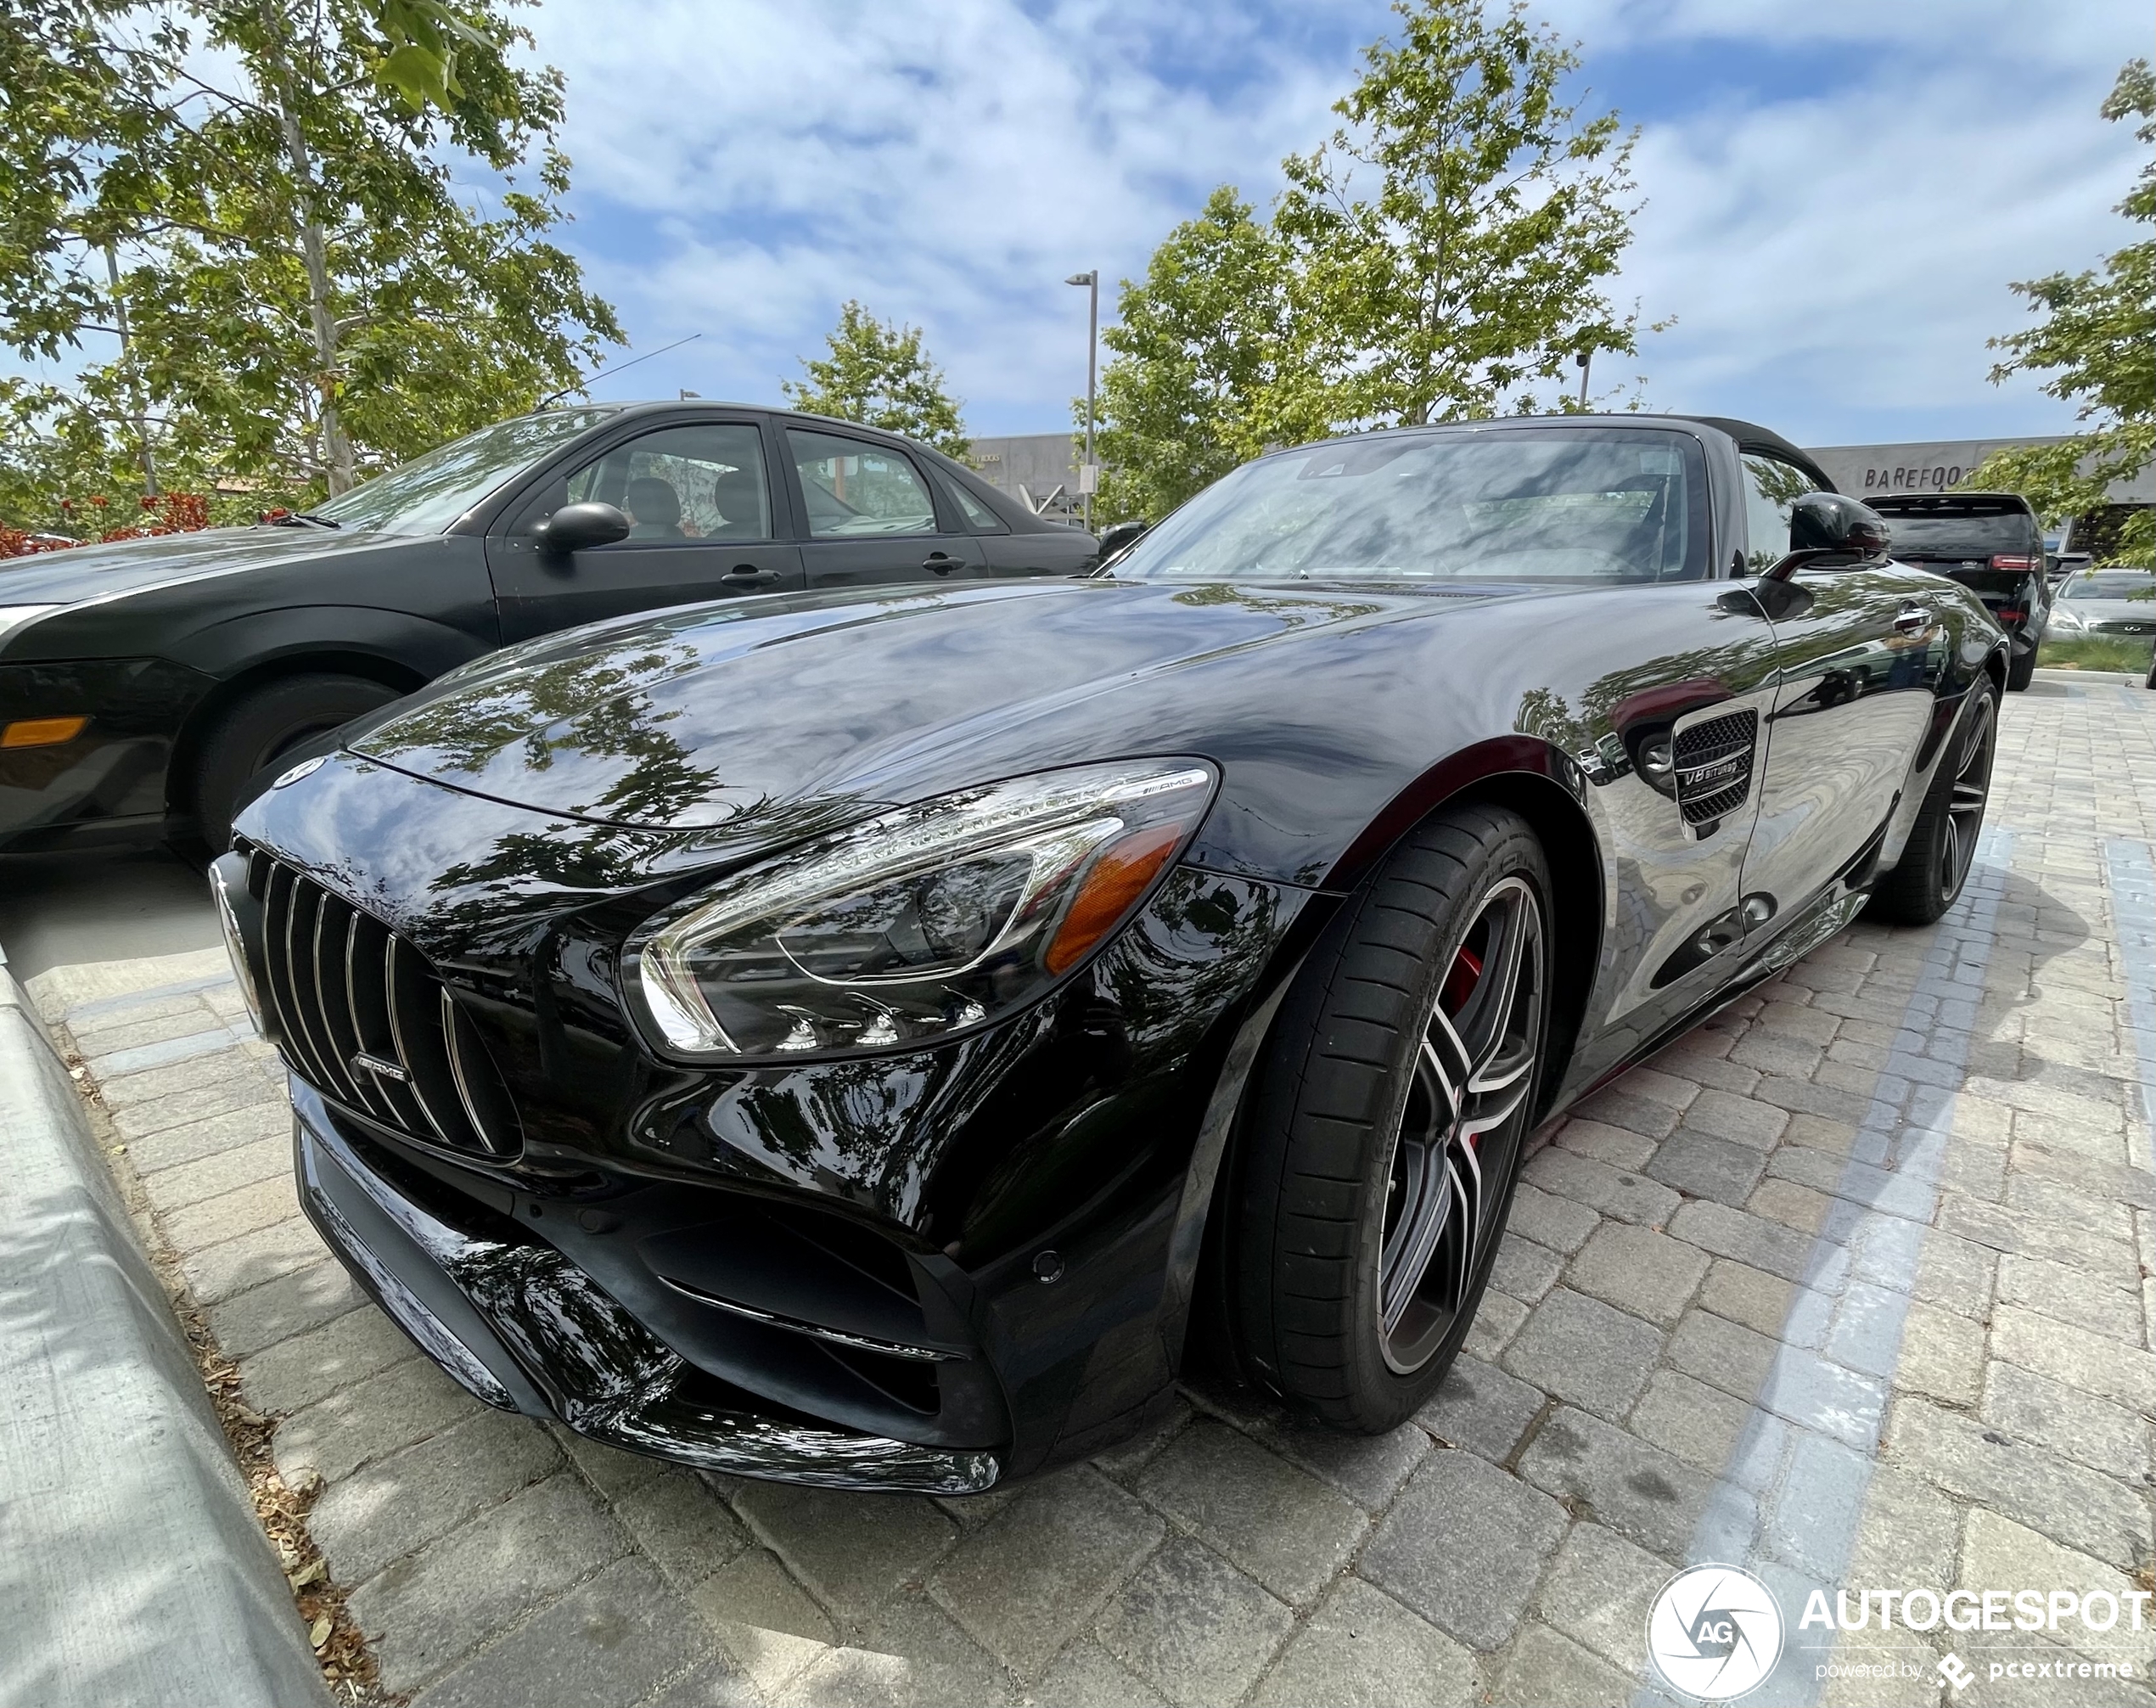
(1713, 1633)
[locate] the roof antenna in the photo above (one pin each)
(607, 372)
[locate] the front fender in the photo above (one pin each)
(416, 645)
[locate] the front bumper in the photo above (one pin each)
(527, 1330)
(108, 785)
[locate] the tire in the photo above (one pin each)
(256, 731)
(2021, 670)
(1367, 1208)
(1942, 845)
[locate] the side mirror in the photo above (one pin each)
(1828, 526)
(1829, 522)
(575, 527)
(1119, 539)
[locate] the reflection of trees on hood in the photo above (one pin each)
(1294, 609)
(594, 704)
(542, 872)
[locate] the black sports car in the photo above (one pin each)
(143, 686)
(853, 1038)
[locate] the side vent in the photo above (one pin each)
(1714, 768)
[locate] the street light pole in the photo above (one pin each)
(1089, 476)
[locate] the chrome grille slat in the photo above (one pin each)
(287, 899)
(372, 1096)
(345, 988)
(329, 984)
(393, 954)
(474, 1092)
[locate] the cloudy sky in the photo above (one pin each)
(1838, 192)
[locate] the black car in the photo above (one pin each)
(854, 1037)
(1989, 541)
(143, 685)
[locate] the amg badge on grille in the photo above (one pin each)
(363, 1063)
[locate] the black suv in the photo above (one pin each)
(144, 685)
(1989, 541)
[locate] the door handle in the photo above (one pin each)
(749, 576)
(942, 563)
(1913, 620)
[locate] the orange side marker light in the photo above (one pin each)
(42, 732)
(1118, 878)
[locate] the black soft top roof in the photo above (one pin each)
(1751, 436)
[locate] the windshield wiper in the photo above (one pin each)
(293, 518)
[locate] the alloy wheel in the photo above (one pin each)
(1971, 790)
(1460, 1130)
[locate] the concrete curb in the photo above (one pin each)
(132, 1568)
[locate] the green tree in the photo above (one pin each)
(2097, 341)
(877, 374)
(1442, 256)
(1452, 238)
(1198, 365)
(258, 197)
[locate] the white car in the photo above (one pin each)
(2106, 603)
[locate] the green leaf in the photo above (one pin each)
(415, 74)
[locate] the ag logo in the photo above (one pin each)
(1715, 1633)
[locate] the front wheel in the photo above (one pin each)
(1942, 845)
(1387, 1125)
(253, 733)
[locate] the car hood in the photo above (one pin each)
(696, 718)
(79, 573)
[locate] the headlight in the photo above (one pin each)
(923, 923)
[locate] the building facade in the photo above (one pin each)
(1937, 465)
(1041, 469)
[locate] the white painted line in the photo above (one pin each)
(1788, 1504)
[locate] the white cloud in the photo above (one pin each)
(949, 166)
(1836, 258)
(1837, 264)
(1835, 261)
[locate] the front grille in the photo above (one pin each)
(363, 1019)
(1714, 766)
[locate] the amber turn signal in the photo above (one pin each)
(42, 732)
(1118, 878)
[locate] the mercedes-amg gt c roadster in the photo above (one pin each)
(874, 1039)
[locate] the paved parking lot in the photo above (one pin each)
(1851, 1286)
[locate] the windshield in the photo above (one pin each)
(430, 492)
(2113, 584)
(1973, 531)
(1571, 506)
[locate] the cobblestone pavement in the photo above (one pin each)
(1851, 1286)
